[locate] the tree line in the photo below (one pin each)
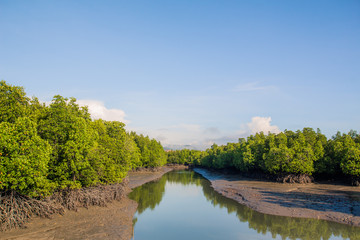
(301, 153)
(45, 148)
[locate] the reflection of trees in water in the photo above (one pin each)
(184, 177)
(286, 227)
(150, 195)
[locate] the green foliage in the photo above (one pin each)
(351, 161)
(300, 152)
(24, 158)
(13, 102)
(277, 159)
(114, 153)
(347, 151)
(245, 160)
(341, 155)
(67, 128)
(152, 154)
(44, 148)
(291, 155)
(185, 157)
(36, 109)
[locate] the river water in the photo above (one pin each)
(182, 205)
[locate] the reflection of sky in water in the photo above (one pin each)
(182, 191)
(185, 213)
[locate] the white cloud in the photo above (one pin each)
(258, 124)
(98, 110)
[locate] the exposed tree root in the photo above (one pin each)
(294, 178)
(355, 181)
(16, 209)
(92, 196)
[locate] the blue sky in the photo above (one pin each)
(191, 72)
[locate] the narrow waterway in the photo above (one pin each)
(182, 205)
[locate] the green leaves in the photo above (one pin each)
(67, 128)
(347, 151)
(13, 102)
(43, 148)
(24, 158)
(152, 153)
(114, 153)
(287, 152)
(350, 163)
(58, 146)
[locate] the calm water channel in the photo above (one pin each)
(182, 205)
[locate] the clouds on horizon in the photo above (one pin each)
(198, 137)
(190, 135)
(257, 124)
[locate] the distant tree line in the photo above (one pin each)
(44, 148)
(185, 157)
(287, 153)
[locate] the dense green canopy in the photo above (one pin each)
(301, 152)
(45, 148)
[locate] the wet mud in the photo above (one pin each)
(332, 202)
(115, 221)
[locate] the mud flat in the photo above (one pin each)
(332, 202)
(111, 222)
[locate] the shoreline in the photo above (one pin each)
(331, 202)
(114, 221)
(337, 203)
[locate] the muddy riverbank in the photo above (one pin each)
(332, 202)
(111, 222)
